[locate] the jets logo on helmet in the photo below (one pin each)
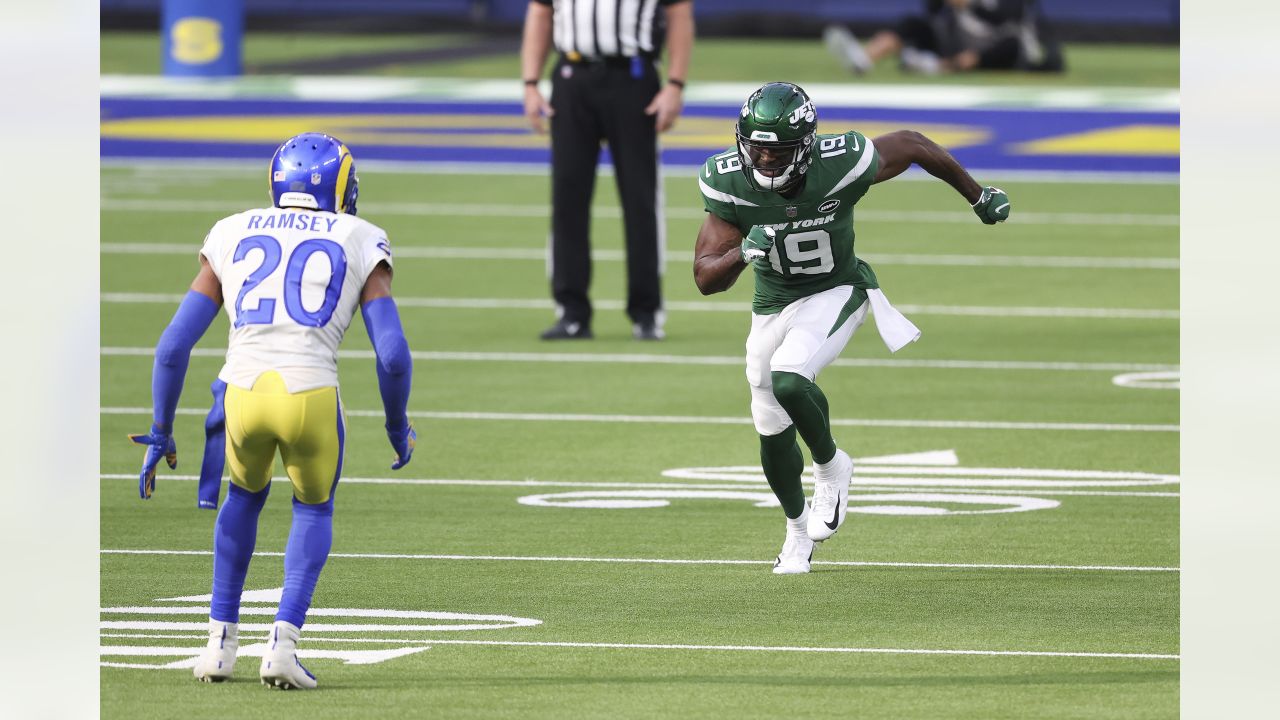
(805, 111)
(776, 133)
(314, 171)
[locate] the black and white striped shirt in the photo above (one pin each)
(608, 28)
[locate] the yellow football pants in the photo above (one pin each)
(308, 428)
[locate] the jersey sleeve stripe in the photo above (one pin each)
(714, 194)
(864, 162)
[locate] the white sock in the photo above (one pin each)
(828, 465)
(800, 525)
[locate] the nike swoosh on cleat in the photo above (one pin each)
(832, 523)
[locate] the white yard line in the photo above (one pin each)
(720, 360)
(544, 304)
(713, 420)
(487, 210)
(143, 649)
(480, 90)
(668, 561)
(540, 255)
(869, 485)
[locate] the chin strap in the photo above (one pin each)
(773, 184)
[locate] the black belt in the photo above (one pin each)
(613, 61)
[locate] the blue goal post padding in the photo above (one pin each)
(201, 38)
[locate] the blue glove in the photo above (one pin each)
(159, 444)
(403, 442)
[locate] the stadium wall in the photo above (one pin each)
(1088, 20)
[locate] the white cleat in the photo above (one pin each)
(218, 658)
(280, 667)
(841, 43)
(797, 552)
(920, 61)
(830, 496)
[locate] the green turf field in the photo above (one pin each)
(926, 604)
(714, 59)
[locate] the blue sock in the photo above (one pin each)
(234, 535)
(310, 537)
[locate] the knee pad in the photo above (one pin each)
(312, 498)
(766, 413)
(255, 499)
(313, 510)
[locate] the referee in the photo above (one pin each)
(605, 88)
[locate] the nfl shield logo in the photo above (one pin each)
(316, 179)
(791, 211)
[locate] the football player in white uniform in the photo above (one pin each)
(291, 277)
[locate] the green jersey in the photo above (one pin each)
(813, 251)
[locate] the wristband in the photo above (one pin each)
(677, 82)
(531, 83)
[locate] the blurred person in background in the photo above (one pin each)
(957, 36)
(606, 87)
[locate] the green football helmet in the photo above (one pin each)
(776, 132)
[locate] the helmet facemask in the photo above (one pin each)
(771, 165)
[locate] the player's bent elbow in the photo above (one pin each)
(919, 143)
(707, 282)
(171, 351)
(394, 355)
(913, 137)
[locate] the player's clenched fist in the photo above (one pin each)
(758, 242)
(992, 205)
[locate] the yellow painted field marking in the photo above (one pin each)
(1148, 140)
(450, 130)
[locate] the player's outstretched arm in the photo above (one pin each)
(718, 257)
(173, 353)
(901, 149)
(395, 363)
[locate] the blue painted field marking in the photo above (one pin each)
(472, 132)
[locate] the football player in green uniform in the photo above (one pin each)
(781, 201)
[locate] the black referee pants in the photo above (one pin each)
(596, 102)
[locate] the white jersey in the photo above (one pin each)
(291, 281)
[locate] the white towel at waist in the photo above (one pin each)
(895, 329)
